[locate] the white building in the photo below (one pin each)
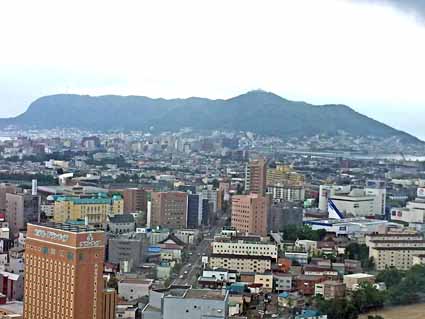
(248, 248)
(414, 212)
(287, 193)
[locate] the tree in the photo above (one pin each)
(390, 276)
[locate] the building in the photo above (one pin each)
(135, 200)
(284, 175)
(395, 249)
(355, 204)
(93, 209)
(284, 214)
(122, 223)
(414, 212)
(22, 208)
(133, 289)
(169, 209)
(286, 193)
(250, 214)
(6, 188)
(283, 281)
(128, 250)
(353, 281)
(63, 272)
(377, 188)
(212, 196)
(239, 246)
(195, 210)
(182, 302)
(109, 307)
(418, 260)
(330, 289)
(197, 304)
(306, 284)
(240, 263)
(256, 176)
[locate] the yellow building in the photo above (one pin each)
(95, 209)
(284, 175)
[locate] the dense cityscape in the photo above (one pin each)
(217, 224)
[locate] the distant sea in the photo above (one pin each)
(4, 138)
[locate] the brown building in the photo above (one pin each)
(169, 209)
(306, 284)
(250, 214)
(4, 189)
(135, 200)
(330, 289)
(63, 272)
(109, 304)
(256, 177)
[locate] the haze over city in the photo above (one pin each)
(366, 54)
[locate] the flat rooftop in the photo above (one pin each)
(74, 228)
(205, 294)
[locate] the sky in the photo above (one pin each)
(368, 54)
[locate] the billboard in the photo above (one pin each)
(154, 249)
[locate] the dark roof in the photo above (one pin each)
(121, 218)
(174, 239)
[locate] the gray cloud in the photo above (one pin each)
(412, 7)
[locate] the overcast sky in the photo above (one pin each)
(368, 54)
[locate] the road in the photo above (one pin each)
(193, 267)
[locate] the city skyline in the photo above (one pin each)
(297, 53)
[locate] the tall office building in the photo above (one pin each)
(169, 209)
(250, 214)
(256, 177)
(21, 208)
(63, 272)
(135, 200)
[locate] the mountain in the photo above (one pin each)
(256, 111)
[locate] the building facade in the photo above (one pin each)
(169, 209)
(256, 177)
(63, 272)
(135, 200)
(22, 208)
(250, 214)
(94, 209)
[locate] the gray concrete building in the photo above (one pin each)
(128, 250)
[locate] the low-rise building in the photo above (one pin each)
(245, 246)
(241, 263)
(353, 281)
(132, 289)
(330, 289)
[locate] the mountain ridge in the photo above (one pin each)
(257, 111)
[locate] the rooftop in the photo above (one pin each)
(205, 294)
(69, 227)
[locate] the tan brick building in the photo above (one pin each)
(250, 214)
(169, 209)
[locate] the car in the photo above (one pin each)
(185, 272)
(181, 277)
(189, 265)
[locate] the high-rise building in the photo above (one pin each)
(63, 272)
(250, 214)
(4, 189)
(22, 208)
(168, 209)
(135, 200)
(256, 176)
